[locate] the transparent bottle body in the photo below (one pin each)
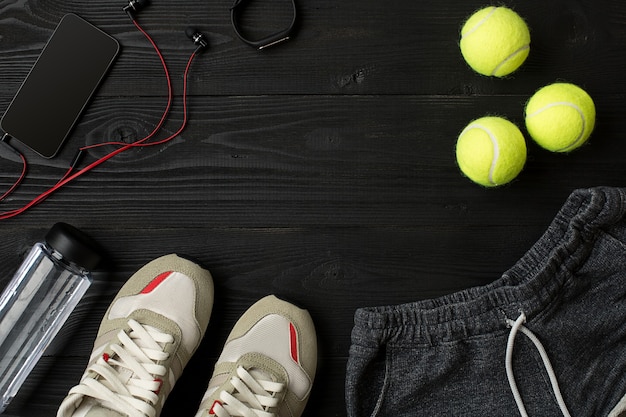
(33, 307)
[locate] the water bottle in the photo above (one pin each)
(39, 299)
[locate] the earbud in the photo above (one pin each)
(136, 5)
(198, 38)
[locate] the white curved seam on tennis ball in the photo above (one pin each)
(508, 58)
(496, 148)
(484, 19)
(580, 113)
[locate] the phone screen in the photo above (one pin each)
(59, 85)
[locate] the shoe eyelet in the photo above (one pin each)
(212, 410)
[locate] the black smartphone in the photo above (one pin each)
(59, 86)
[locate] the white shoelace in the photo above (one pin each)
(129, 380)
(516, 326)
(254, 396)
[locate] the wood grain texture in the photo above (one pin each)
(322, 170)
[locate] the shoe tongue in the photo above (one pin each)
(260, 375)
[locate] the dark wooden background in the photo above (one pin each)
(322, 169)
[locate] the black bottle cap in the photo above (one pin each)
(74, 245)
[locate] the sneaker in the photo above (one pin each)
(267, 366)
(146, 338)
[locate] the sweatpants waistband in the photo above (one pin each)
(529, 286)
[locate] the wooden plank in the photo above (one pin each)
(261, 162)
(370, 47)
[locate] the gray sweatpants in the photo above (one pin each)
(448, 356)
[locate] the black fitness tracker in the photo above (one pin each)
(270, 40)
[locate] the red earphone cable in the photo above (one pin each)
(20, 178)
(68, 177)
(169, 97)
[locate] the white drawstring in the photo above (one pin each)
(516, 326)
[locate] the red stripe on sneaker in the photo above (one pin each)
(160, 382)
(155, 282)
(293, 341)
(212, 410)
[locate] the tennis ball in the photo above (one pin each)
(560, 117)
(491, 151)
(495, 41)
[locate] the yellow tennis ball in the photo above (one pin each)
(491, 151)
(495, 41)
(560, 117)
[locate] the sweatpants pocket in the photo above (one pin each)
(367, 381)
